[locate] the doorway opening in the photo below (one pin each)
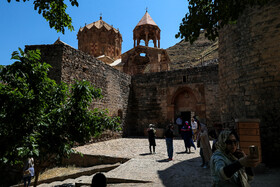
(186, 116)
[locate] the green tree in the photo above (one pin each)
(54, 11)
(211, 15)
(42, 119)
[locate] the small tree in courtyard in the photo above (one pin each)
(42, 119)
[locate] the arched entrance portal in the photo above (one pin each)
(187, 101)
(185, 104)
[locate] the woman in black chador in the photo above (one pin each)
(152, 138)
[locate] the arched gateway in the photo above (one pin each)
(187, 102)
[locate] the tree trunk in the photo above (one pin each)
(37, 172)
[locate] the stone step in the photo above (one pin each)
(86, 171)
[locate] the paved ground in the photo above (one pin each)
(184, 170)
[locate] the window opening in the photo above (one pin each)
(143, 54)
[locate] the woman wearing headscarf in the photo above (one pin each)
(230, 166)
(205, 147)
(152, 138)
(186, 133)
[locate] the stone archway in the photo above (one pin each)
(187, 100)
(184, 102)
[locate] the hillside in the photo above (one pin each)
(202, 52)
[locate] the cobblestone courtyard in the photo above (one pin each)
(184, 170)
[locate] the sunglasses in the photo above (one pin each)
(230, 142)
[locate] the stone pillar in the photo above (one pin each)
(146, 39)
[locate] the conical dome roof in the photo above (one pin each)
(146, 30)
(146, 20)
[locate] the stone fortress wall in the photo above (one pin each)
(69, 64)
(249, 64)
(155, 97)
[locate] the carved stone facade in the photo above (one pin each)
(142, 59)
(249, 66)
(101, 40)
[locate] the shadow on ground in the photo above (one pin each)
(185, 152)
(164, 160)
(65, 185)
(145, 154)
(186, 173)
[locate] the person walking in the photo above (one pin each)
(205, 147)
(186, 133)
(230, 166)
(152, 138)
(28, 172)
(169, 141)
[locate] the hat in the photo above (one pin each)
(151, 125)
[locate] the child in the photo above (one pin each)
(28, 172)
(152, 138)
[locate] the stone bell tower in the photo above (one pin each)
(146, 30)
(144, 59)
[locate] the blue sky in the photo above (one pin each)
(21, 25)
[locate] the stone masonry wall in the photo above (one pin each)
(152, 96)
(249, 71)
(71, 64)
(51, 54)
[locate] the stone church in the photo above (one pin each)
(141, 87)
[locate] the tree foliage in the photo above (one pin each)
(42, 119)
(54, 11)
(211, 15)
